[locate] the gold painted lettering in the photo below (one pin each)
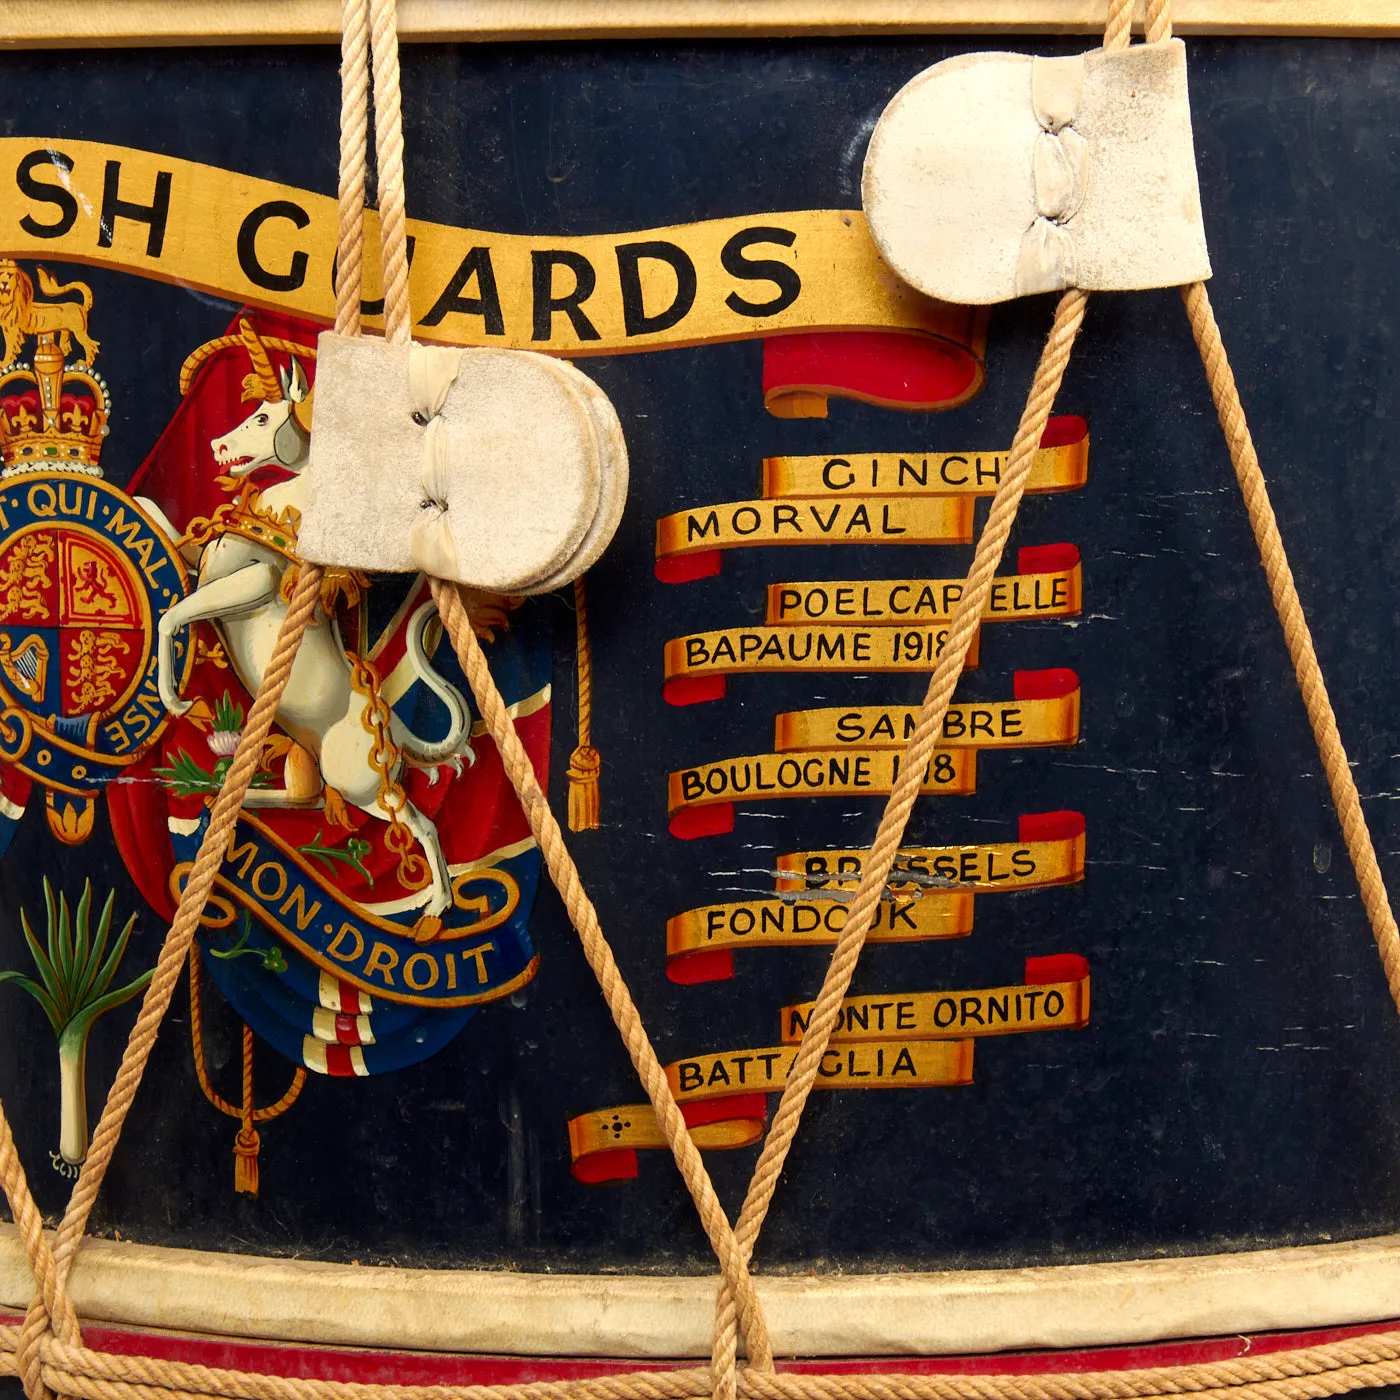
(248, 852)
(279, 882)
(479, 952)
(295, 905)
(428, 979)
(382, 960)
(354, 954)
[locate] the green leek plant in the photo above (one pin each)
(75, 974)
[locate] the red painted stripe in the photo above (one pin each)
(599, 1168)
(1046, 558)
(707, 965)
(420, 1368)
(1064, 429)
(346, 1031)
(693, 690)
(1056, 967)
(1050, 826)
(338, 1062)
(690, 823)
(686, 568)
(349, 999)
(1050, 684)
(895, 369)
(15, 785)
(716, 1110)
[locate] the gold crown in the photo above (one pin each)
(246, 515)
(261, 524)
(53, 416)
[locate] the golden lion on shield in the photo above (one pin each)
(21, 315)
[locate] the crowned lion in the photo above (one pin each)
(21, 315)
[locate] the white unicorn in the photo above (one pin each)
(240, 592)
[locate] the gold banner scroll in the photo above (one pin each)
(1050, 852)
(1054, 997)
(1047, 583)
(706, 530)
(724, 1092)
(603, 1145)
(1061, 464)
(700, 942)
(694, 667)
(1045, 712)
(267, 244)
(873, 1064)
(700, 800)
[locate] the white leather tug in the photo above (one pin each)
(998, 175)
(501, 469)
(432, 371)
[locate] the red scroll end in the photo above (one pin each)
(723, 1110)
(1046, 558)
(1044, 685)
(1049, 826)
(692, 822)
(599, 1168)
(1058, 967)
(686, 568)
(1064, 429)
(892, 369)
(693, 690)
(713, 965)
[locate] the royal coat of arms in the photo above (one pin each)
(86, 573)
(379, 884)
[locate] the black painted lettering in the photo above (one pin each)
(154, 215)
(46, 193)
(849, 728)
(944, 471)
(547, 304)
(635, 318)
(899, 913)
(782, 275)
(698, 529)
(830, 478)
(486, 303)
(248, 259)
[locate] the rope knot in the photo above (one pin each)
(585, 762)
(29, 1361)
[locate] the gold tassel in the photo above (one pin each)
(245, 1160)
(584, 765)
(246, 1144)
(585, 762)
